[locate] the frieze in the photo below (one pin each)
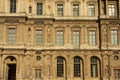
(114, 22)
(76, 22)
(38, 22)
(110, 22)
(11, 20)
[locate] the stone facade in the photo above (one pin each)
(24, 56)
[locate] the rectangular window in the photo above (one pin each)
(91, 10)
(37, 73)
(60, 38)
(11, 35)
(117, 74)
(75, 9)
(111, 8)
(12, 6)
(60, 9)
(30, 9)
(39, 37)
(76, 39)
(114, 37)
(92, 37)
(39, 8)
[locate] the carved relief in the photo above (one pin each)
(49, 7)
(48, 60)
(11, 20)
(104, 35)
(49, 34)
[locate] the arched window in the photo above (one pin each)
(60, 67)
(94, 67)
(12, 6)
(77, 71)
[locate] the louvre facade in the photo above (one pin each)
(59, 39)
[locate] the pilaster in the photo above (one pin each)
(85, 75)
(106, 8)
(2, 3)
(0, 64)
(119, 8)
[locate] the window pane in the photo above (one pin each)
(94, 67)
(12, 6)
(30, 9)
(37, 73)
(91, 9)
(60, 38)
(60, 67)
(75, 9)
(111, 9)
(76, 67)
(92, 38)
(11, 35)
(76, 39)
(117, 74)
(39, 37)
(39, 8)
(60, 9)
(114, 37)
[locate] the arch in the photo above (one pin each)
(10, 58)
(78, 57)
(10, 68)
(61, 57)
(95, 57)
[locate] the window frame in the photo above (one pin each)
(40, 8)
(58, 44)
(115, 40)
(89, 9)
(77, 67)
(117, 74)
(75, 30)
(60, 67)
(94, 73)
(40, 35)
(38, 73)
(13, 6)
(58, 10)
(93, 35)
(115, 10)
(15, 34)
(78, 9)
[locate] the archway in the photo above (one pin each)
(10, 68)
